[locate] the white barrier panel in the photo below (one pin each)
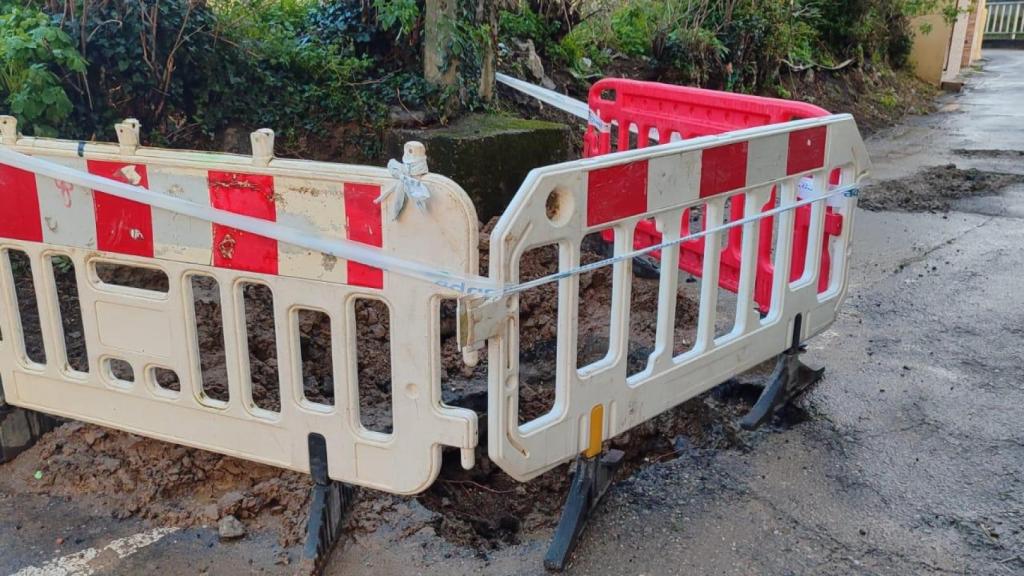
(156, 330)
(562, 204)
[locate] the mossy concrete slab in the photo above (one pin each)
(488, 155)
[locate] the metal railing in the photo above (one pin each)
(1005, 20)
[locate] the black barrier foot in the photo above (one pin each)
(788, 381)
(591, 481)
(20, 428)
(328, 508)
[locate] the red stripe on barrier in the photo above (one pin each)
(806, 150)
(723, 168)
(19, 218)
(251, 195)
(616, 192)
(122, 226)
(363, 220)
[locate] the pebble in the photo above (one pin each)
(229, 528)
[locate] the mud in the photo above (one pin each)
(934, 189)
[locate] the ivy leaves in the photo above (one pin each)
(32, 53)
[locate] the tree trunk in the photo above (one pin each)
(439, 66)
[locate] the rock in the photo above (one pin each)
(229, 502)
(533, 62)
(230, 528)
(405, 118)
(234, 139)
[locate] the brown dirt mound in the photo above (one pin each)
(169, 484)
(934, 189)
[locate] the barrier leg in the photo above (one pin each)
(330, 505)
(789, 380)
(591, 481)
(20, 428)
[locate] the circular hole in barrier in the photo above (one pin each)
(559, 206)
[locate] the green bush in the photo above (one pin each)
(188, 69)
(737, 44)
(525, 24)
(159, 62)
(33, 57)
(632, 29)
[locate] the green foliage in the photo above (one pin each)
(189, 69)
(316, 70)
(632, 30)
(32, 54)
(731, 44)
(404, 14)
(889, 100)
(525, 24)
(147, 60)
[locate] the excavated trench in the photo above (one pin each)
(481, 508)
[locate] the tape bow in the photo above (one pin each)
(407, 186)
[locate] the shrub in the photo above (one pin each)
(34, 55)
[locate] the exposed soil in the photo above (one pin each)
(482, 508)
(934, 189)
(129, 475)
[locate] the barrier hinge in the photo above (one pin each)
(482, 318)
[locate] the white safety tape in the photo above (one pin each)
(556, 99)
(848, 191)
(349, 250)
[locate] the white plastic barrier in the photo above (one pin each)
(315, 234)
(562, 204)
(153, 331)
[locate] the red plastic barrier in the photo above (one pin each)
(680, 112)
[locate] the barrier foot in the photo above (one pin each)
(591, 481)
(329, 506)
(20, 428)
(788, 381)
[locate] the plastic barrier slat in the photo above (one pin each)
(691, 112)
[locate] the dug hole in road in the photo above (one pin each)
(906, 459)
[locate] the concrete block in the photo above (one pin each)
(488, 155)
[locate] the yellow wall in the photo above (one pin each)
(979, 32)
(928, 55)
